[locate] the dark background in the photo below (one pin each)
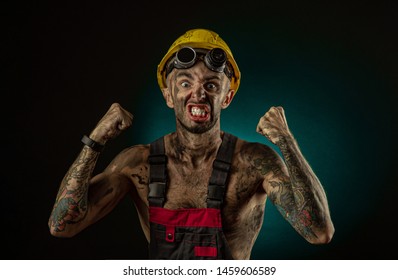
(333, 66)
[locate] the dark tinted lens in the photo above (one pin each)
(185, 57)
(217, 57)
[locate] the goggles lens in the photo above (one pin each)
(215, 60)
(185, 58)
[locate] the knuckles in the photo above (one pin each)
(271, 118)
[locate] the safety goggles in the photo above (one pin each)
(214, 59)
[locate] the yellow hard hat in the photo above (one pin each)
(199, 38)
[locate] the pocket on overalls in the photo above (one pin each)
(200, 246)
(183, 245)
(162, 246)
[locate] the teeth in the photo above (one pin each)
(195, 111)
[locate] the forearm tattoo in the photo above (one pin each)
(71, 203)
(297, 198)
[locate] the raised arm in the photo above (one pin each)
(292, 185)
(83, 199)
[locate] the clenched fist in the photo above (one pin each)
(112, 124)
(273, 125)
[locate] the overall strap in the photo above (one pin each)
(221, 167)
(157, 173)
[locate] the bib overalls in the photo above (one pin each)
(193, 233)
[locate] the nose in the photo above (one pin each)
(199, 93)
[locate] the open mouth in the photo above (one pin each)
(198, 112)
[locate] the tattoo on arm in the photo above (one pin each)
(71, 203)
(296, 197)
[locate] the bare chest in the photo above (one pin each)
(187, 187)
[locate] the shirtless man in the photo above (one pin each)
(181, 213)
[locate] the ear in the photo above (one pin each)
(228, 99)
(168, 98)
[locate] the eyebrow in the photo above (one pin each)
(188, 75)
(184, 74)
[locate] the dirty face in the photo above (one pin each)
(197, 95)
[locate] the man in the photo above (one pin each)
(200, 192)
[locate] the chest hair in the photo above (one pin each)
(187, 186)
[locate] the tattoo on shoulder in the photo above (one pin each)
(262, 159)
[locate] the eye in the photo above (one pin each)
(211, 86)
(185, 84)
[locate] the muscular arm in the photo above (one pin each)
(294, 188)
(71, 202)
(83, 199)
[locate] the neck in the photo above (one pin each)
(191, 148)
